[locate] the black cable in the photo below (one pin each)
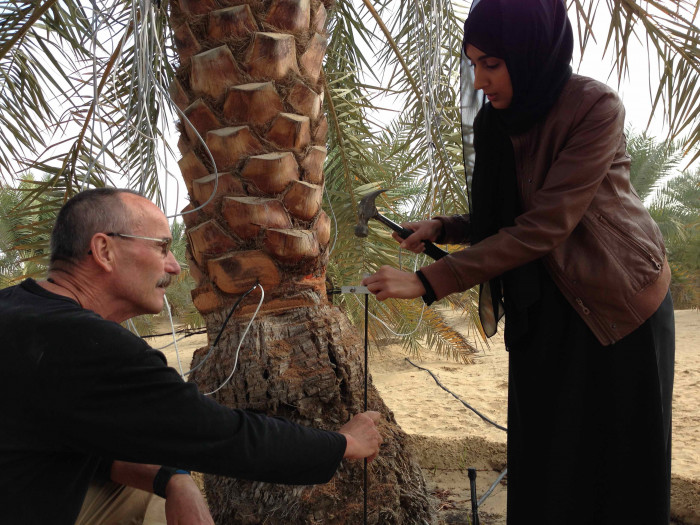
(186, 331)
(221, 331)
(482, 416)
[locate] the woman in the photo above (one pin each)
(561, 243)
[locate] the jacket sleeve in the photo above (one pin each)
(126, 404)
(456, 229)
(557, 207)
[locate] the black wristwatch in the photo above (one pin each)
(163, 476)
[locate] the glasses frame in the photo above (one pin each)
(165, 243)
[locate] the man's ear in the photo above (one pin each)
(102, 252)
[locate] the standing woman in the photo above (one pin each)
(560, 241)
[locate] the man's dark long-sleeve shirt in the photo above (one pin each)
(76, 389)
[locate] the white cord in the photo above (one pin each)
(420, 320)
(335, 219)
(133, 327)
(240, 342)
(172, 327)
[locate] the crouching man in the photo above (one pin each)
(88, 405)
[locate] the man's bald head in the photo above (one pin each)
(99, 210)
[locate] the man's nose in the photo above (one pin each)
(171, 264)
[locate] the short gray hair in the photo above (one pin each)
(87, 213)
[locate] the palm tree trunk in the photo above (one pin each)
(249, 81)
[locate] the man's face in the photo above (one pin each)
(144, 267)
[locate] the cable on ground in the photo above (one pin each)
(482, 416)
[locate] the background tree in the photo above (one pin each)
(673, 199)
(23, 237)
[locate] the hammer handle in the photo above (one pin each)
(431, 250)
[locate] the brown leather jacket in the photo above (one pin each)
(581, 215)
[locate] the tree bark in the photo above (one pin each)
(249, 79)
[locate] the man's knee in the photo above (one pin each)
(108, 503)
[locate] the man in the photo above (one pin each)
(87, 403)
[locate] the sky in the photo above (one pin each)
(633, 89)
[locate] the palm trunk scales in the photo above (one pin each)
(249, 82)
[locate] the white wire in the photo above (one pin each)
(240, 342)
(335, 220)
(420, 320)
(124, 128)
(95, 105)
(172, 327)
(182, 115)
(137, 109)
(428, 37)
(133, 327)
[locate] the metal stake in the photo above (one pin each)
(472, 486)
(362, 290)
(366, 376)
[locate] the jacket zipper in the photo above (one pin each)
(628, 241)
(586, 311)
(583, 306)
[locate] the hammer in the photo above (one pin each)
(368, 210)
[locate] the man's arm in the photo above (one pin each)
(184, 503)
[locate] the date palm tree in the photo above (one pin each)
(674, 202)
(265, 133)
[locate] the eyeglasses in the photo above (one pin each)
(163, 243)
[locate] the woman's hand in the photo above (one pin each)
(390, 282)
(422, 231)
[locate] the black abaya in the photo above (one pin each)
(589, 426)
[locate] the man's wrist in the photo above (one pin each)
(160, 481)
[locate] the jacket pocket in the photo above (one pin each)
(636, 260)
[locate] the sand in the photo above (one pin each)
(448, 437)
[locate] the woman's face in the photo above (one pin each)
(491, 76)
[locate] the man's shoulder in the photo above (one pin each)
(32, 317)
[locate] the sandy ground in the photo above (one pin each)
(448, 438)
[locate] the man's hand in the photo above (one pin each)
(422, 231)
(362, 436)
(390, 282)
(185, 504)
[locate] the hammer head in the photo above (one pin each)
(366, 210)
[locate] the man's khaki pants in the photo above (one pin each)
(108, 503)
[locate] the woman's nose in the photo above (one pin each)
(479, 79)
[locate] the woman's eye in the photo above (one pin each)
(492, 66)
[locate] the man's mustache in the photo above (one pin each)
(164, 281)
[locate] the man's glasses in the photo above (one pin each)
(164, 243)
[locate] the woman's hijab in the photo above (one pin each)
(535, 39)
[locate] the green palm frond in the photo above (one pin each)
(76, 105)
(651, 161)
(672, 37)
(25, 230)
(675, 206)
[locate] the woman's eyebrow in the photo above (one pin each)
(480, 59)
